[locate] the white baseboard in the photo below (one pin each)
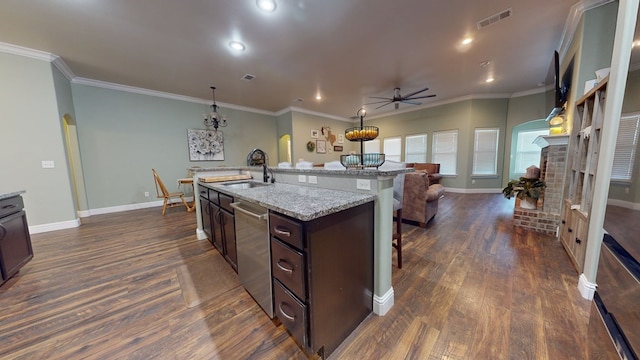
(624, 204)
(382, 304)
(587, 289)
(35, 229)
(473, 191)
(201, 235)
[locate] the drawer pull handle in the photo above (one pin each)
(564, 222)
(570, 230)
(10, 206)
(578, 241)
(284, 268)
(282, 232)
(287, 316)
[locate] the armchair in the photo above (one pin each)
(432, 169)
(420, 202)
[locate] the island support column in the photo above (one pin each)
(383, 296)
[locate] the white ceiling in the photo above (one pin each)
(346, 50)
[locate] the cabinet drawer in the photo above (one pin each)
(11, 205)
(286, 230)
(291, 312)
(225, 202)
(287, 265)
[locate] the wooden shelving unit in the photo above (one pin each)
(584, 147)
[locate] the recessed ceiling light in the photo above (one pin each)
(266, 5)
(467, 41)
(318, 97)
(237, 45)
(489, 79)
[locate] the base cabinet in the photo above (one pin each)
(218, 223)
(323, 275)
(573, 235)
(15, 241)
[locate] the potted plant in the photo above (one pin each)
(525, 189)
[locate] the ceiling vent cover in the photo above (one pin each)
(248, 77)
(494, 18)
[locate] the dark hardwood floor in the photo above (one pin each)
(471, 287)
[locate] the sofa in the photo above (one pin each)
(432, 169)
(420, 200)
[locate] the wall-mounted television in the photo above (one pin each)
(560, 86)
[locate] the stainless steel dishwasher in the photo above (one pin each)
(254, 252)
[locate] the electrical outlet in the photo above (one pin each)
(313, 179)
(473, 181)
(48, 164)
(626, 190)
(302, 178)
(146, 194)
(363, 184)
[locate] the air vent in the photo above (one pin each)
(248, 77)
(494, 18)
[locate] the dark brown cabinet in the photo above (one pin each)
(218, 223)
(323, 275)
(15, 241)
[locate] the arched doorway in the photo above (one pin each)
(72, 150)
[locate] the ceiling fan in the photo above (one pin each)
(397, 98)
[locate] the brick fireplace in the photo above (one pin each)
(546, 217)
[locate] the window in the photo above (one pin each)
(415, 148)
(485, 152)
(527, 153)
(445, 151)
(626, 145)
(393, 148)
(372, 146)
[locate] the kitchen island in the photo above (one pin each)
(378, 183)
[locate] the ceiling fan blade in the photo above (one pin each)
(415, 92)
(420, 97)
(412, 102)
(383, 105)
(379, 97)
(378, 102)
(397, 105)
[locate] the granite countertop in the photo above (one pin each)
(11, 194)
(301, 202)
(315, 170)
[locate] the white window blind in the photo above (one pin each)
(445, 151)
(527, 153)
(625, 153)
(415, 148)
(372, 146)
(485, 152)
(392, 148)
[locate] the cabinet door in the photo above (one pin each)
(229, 231)
(205, 208)
(15, 244)
(216, 227)
(580, 241)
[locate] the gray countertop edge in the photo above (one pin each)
(366, 172)
(11, 194)
(289, 199)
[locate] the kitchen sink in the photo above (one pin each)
(245, 185)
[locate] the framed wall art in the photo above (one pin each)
(338, 148)
(205, 145)
(321, 146)
(315, 134)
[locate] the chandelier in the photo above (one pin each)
(214, 118)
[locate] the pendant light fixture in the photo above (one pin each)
(214, 118)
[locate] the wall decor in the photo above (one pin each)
(340, 138)
(321, 146)
(311, 146)
(337, 148)
(205, 145)
(315, 134)
(331, 137)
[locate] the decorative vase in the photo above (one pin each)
(528, 203)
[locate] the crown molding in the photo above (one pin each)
(538, 90)
(30, 53)
(161, 94)
(573, 19)
(310, 112)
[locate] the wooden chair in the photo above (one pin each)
(163, 193)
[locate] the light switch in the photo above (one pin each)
(313, 179)
(48, 164)
(302, 178)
